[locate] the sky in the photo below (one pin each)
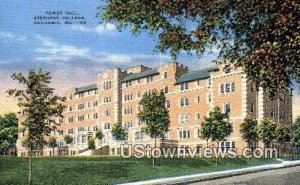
(73, 53)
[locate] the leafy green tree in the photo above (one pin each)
(91, 144)
(52, 143)
(261, 36)
(249, 131)
(68, 139)
(8, 132)
(118, 132)
(99, 134)
(283, 134)
(220, 126)
(267, 132)
(206, 129)
(39, 108)
(155, 115)
(296, 131)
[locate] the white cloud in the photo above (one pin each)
(53, 51)
(11, 36)
(99, 29)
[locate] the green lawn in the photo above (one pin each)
(107, 170)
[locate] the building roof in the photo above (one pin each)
(142, 74)
(86, 88)
(195, 75)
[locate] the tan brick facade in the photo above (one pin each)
(190, 96)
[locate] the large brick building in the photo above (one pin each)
(190, 96)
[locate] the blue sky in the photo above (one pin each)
(92, 46)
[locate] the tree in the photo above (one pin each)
(267, 132)
(68, 139)
(119, 132)
(283, 134)
(52, 143)
(39, 108)
(91, 144)
(249, 131)
(99, 134)
(296, 131)
(206, 129)
(220, 126)
(261, 36)
(155, 115)
(8, 132)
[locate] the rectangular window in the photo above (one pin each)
(107, 85)
(80, 106)
(184, 86)
(184, 134)
(232, 87)
(197, 99)
(183, 118)
(227, 108)
(165, 75)
(197, 116)
(222, 89)
(184, 102)
(227, 86)
(168, 104)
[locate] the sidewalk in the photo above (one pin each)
(215, 175)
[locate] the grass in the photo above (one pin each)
(108, 170)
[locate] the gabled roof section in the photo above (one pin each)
(86, 88)
(143, 74)
(195, 75)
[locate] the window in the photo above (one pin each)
(167, 104)
(107, 85)
(183, 118)
(70, 108)
(70, 131)
(209, 82)
(198, 82)
(222, 89)
(128, 83)
(165, 75)
(197, 116)
(96, 91)
(199, 133)
(107, 99)
(232, 87)
(70, 119)
(226, 145)
(80, 106)
(127, 97)
(184, 134)
(80, 129)
(106, 126)
(95, 116)
(273, 112)
(197, 99)
(81, 118)
(107, 112)
(128, 124)
(138, 136)
(184, 86)
(166, 89)
(95, 103)
(208, 97)
(184, 102)
(80, 95)
(227, 87)
(95, 128)
(128, 110)
(227, 108)
(149, 78)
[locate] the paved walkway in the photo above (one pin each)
(284, 176)
(215, 175)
